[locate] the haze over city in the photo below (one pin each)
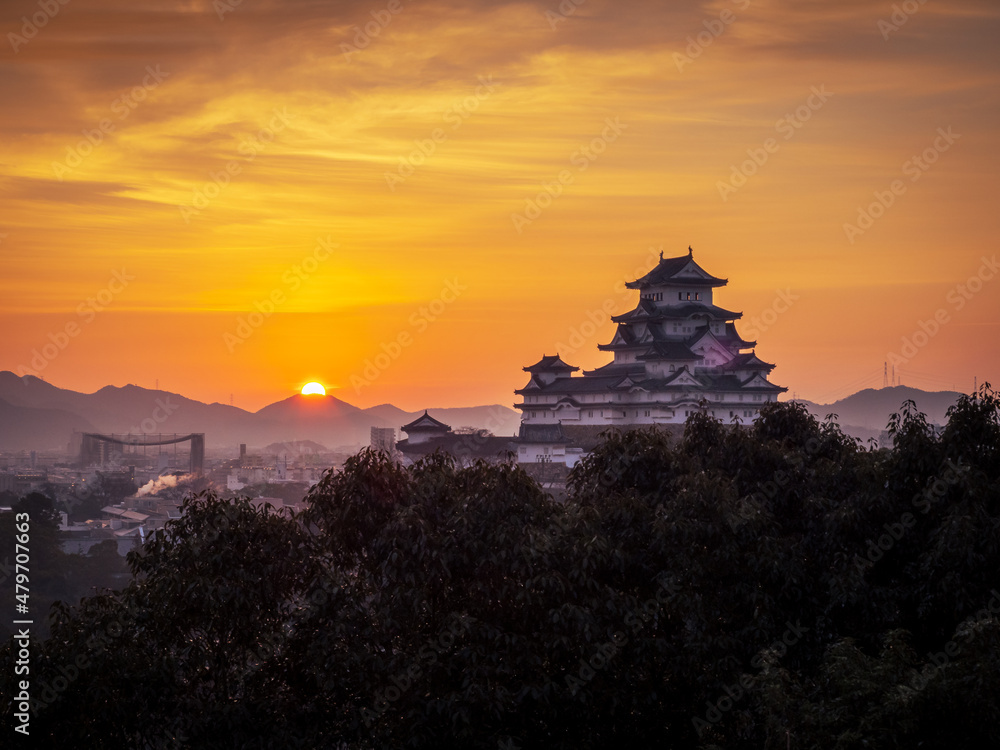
(480, 179)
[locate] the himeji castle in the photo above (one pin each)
(675, 353)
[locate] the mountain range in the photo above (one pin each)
(35, 414)
(866, 413)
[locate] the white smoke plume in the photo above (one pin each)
(161, 483)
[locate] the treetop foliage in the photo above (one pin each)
(775, 585)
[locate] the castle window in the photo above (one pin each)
(679, 295)
(590, 413)
(697, 296)
(689, 295)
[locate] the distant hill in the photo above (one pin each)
(295, 448)
(37, 414)
(391, 416)
(866, 413)
(30, 428)
(134, 409)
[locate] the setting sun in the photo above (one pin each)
(313, 389)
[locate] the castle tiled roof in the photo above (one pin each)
(425, 423)
(647, 311)
(607, 378)
(550, 363)
(748, 361)
(669, 271)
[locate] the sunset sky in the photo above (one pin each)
(369, 178)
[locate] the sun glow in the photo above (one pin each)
(313, 389)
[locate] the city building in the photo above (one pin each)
(383, 439)
(676, 352)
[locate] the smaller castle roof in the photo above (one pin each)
(425, 423)
(676, 271)
(550, 363)
(748, 361)
(647, 310)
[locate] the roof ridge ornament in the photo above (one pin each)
(690, 252)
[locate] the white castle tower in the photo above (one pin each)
(676, 352)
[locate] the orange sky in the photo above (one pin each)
(367, 165)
